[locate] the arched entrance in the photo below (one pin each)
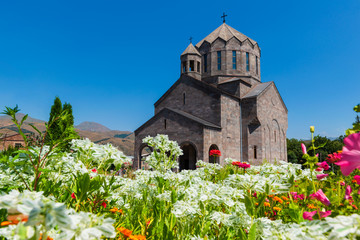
(143, 153)
(213, 158)
(188, 159)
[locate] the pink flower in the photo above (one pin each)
(297, 196)
(350, 159)
(319, 169)
(303, 148)
(325, 214)
(321, 176)
(357, 178)
(309, 215)
(333, 158)
(342, 183)
(73, 196)
(94, 170)
(348, 191)
(320, 195)
(323, 165)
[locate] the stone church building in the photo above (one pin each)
(219, 102)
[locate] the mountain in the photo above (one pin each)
(123, 140)
(92, 127)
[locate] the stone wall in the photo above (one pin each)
(273, 117)
(178, 128)
(226, 49)
(199, 101)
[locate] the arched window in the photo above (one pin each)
(214, 154)
(255, 152)
(164, 123)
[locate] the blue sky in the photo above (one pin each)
(113, 59)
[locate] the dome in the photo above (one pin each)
(191, 50)
(225, 32)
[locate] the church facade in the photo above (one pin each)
(219, 102)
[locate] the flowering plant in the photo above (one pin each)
(215, 153)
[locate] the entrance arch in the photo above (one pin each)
(145, 151)
(214, 159)
(188, 159)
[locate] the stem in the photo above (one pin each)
(27, 186)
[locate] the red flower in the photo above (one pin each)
(94, 170)
(73, 196)
(333, 158)
(103, 204)
(215, 153)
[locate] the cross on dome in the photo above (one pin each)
(223, 17)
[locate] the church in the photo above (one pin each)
(220, 103)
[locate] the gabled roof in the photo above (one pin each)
(191, 50)
(194, 118)
(225, 32)
(262, 87)
(181, 113)
(198, 82)
(257, 90)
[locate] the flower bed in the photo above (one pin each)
(76, 196)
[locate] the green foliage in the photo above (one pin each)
(356, 124)
(325, 146)
(33, 160)
(62, 127)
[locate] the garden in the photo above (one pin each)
(52, 190)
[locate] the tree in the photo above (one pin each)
(55, 128)
(62, 127)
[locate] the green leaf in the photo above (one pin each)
(36, 129)
(252, 232)
(249, 206)
(23, 119)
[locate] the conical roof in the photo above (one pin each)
(225, 32)
(191, 50)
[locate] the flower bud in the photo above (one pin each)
(312, 129)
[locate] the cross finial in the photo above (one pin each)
(190, 39)
(223, 17)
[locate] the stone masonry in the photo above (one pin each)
(219, 102)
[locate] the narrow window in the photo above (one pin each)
(219, 60)
(184, 98)
(275, 135)
(234, 59)
(192, 65)
(247, 62)
(257, 66)
(184, 66)
(205, 62)
(255, 152)
(164, 123)
(198, 66)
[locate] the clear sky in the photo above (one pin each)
(113, 59)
